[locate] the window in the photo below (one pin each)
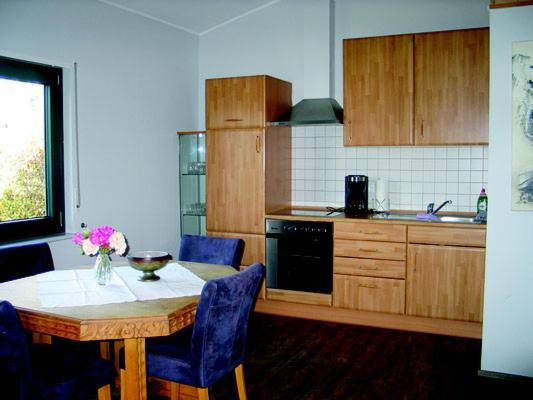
(31, 150)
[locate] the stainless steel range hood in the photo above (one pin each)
(312, 112)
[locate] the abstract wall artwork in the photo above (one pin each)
(522, 168)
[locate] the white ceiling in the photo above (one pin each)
(194, 16)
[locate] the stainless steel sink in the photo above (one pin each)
(457, 219)
(392, 216)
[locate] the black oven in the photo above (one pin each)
(299, 255)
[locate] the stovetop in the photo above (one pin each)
(314, 213)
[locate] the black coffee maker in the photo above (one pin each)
(355, 195)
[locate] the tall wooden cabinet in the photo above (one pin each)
(242, 154)
(422, 89)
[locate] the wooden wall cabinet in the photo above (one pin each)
(510, 3)
(452, 87)
(422, 89)
(247, 162)
(246, 101)
(445, 274)
(378, 91)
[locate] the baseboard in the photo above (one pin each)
(505, 377)
(367, 318)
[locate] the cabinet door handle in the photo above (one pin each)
(233, 119)
(368, 285)
(422, 128)
(370, 250)
(362, 267)
(258, 144)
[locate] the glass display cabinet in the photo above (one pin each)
(192, 182)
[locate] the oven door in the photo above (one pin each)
(300, 261)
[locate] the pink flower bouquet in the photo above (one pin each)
(101, 240)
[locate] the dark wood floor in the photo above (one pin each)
(298, 359)
(292, 358)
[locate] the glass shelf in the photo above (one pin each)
(192, 183)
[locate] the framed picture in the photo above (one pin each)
(522, 153)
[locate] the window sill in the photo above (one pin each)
(49, 239)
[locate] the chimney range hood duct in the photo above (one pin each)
(312, 112)
(326, 111)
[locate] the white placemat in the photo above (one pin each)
(79, 288)
(176, 281)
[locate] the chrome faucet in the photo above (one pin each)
(430, 206)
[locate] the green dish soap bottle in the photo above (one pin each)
(482, 205)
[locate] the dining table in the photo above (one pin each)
(131, 322)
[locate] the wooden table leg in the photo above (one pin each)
(135, 360)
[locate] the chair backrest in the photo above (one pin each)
(221, 325)
(21, 261)
(212, 250)
(15, 363)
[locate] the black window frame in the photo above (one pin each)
(54, 221)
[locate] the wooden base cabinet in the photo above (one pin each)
(445, 282)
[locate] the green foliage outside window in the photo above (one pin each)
(25, 197)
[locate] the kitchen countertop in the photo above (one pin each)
(289, 214)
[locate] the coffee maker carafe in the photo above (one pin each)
(355, 195)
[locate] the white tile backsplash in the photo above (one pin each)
(417, 175)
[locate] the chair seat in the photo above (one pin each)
(71, 378)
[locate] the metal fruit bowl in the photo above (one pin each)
(148, 262)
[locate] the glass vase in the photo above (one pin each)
(102, 269)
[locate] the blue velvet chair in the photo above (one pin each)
(216, 344)
(22, 261)
(212, 250)
(44, 372)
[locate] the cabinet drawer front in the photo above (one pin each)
(369, 267)
(369, 231)
(448, 236)
(369, 294)
(369, 249)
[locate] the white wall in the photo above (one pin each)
(362, 18)
(137, 84)
(508, 320)
(289, 40)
